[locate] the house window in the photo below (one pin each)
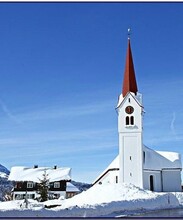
(29, 185)
(70, 195)
(57, 196)
(19, 196)
(30, 196)
(130, 157)
(132, 120)
(130, 174)
(57, 185)
(129, 100)
(127, 120)
(18, 185)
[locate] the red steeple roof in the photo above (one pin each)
(129, 82)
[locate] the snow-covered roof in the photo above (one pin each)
(113, 165)
(158, 160)
(71, 188)
(21, 173)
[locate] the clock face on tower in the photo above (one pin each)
(129, 109)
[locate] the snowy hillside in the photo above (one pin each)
(3, 175)
(5, 188)
(5, 185)
(98, 201)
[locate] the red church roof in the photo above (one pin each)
(129, 82)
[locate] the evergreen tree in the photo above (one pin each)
(43, 187)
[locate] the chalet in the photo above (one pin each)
(27, 181)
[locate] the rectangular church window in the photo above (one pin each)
(144, 156)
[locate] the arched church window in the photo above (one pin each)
(127, 120)
(132, 120)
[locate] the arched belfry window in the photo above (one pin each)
(132, 120)
(127, 120)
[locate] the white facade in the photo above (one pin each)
(130, 141)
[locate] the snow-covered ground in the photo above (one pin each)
(98, 201)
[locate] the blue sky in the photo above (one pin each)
(61, 71)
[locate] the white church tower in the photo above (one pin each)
(136, 163)
(130, 115)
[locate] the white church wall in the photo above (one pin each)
(130, 164)
(171, 180)
(156, 180)
(130, 142)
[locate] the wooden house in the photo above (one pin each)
(27, 181)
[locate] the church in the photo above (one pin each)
(137, 164)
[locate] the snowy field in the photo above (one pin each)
(98, 201)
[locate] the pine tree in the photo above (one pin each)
(43, 187)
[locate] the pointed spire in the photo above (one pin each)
(129, 82)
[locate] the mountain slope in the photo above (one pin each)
(81, 186)
(3, 169)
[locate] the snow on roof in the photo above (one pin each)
(21, 173)
(161, 159)
(113, 165)
(71, 188)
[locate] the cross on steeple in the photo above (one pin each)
(129, 33)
